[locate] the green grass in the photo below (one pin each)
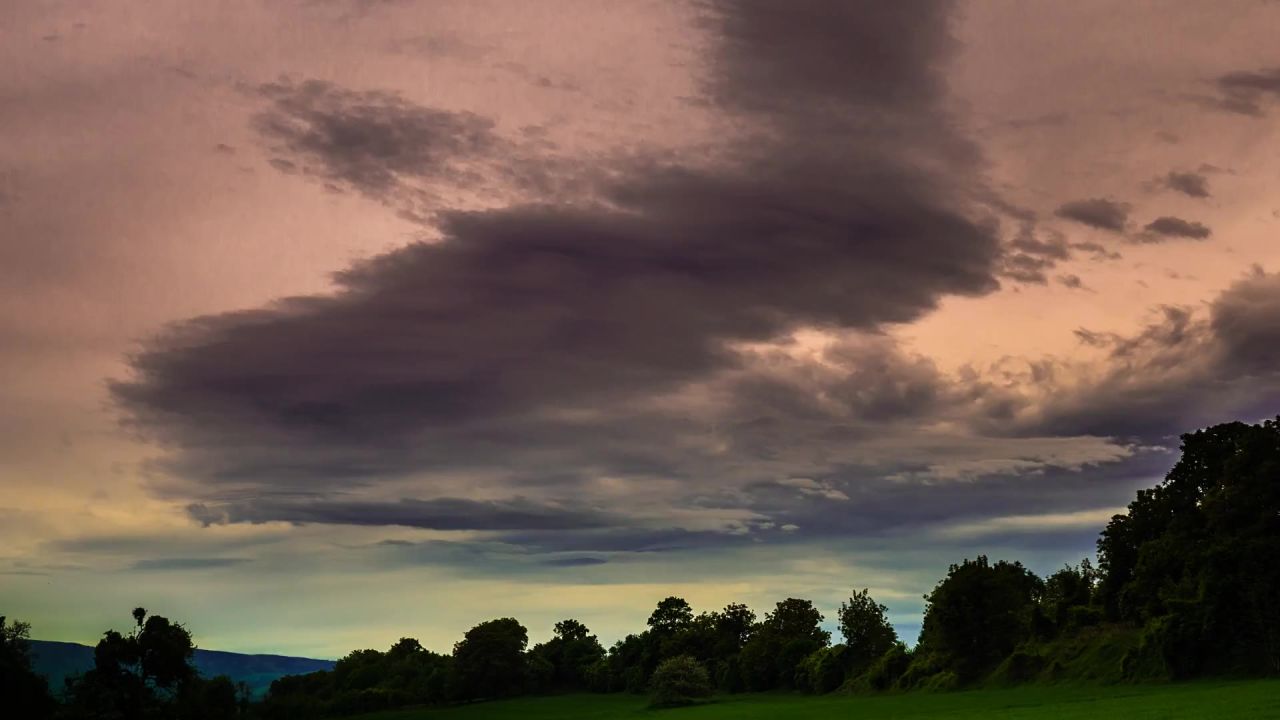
(1252, 699)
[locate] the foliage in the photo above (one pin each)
(824, 670)
(489, 660)
(672, 615)
(23, 693)
(978, 614)
(569, 657)
(679, 681)
(364, 680)
(143, 674)
(780, 643)
(884, 672)
(866, 629)
(1191, 560)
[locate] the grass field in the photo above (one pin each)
(1256, 699)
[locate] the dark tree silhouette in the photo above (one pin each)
(866, 629)
(1193, 558)
(569, 655)
(781, 643)
(671, 615)
(142, 674)
(489, 660)
(978, 614)
(23, 693)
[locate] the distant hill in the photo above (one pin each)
(60, 660)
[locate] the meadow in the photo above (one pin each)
(1199, 700)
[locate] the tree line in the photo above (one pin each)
(1185, 586)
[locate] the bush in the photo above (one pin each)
(942, 682)
(729, 676)
(679, 681)
(884, 672)
(923, 666)
(1021, 666)
(822, 671)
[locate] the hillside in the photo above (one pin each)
(60, 660)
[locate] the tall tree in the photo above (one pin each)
(138, 674)
(1192, 558)
(671, 615)
(866, 629)
(978, 613)
(489, 661)
(569, 654)
(788, 635)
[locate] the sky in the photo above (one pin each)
(328, 322)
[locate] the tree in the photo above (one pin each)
(679, 681)
(164, 651)
(671, 615)
(1191, 559)
(569, 654)
(733, 627)
(824, 670)
(978, 613)
(780, 643)
(489, 660)
(1066, 593)
(23, 693)
(866, 629)
(137, 674)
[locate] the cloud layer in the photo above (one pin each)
(539, 348)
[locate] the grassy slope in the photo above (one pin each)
(1205, 700)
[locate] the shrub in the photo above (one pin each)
(884, 672)
(679, 681)
(1083, 617)
(923, 666)
(1021, 666)
(942, 682)
(729, 676)
(823, 670)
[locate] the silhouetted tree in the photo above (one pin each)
(780, 643)
(1191, 560)
(671, 615)
(23, 693)
(977, 615)
(1068, 598)
(866, 629)
(569, 654)
(137, 675)
(489, 660)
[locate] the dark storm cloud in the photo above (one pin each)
(527, 342)
(1188, 183)
(1185, 370)
(437, 514)
(569, 562)
(1245, 323)
(1099, 213)
(185, 563)
(1174, 227)
(1247, 91)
